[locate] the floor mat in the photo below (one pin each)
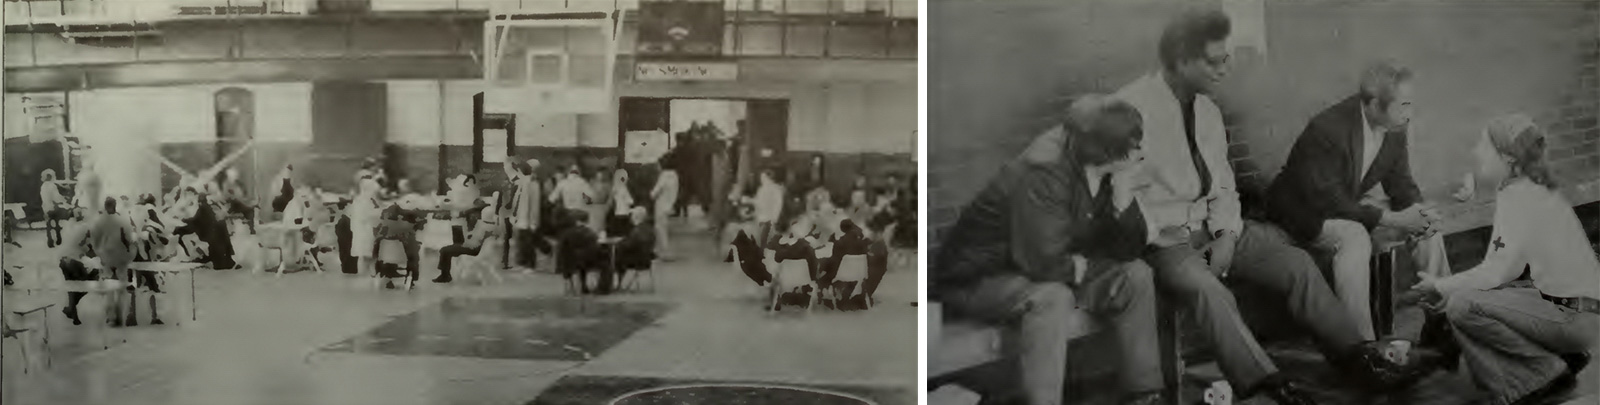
(601, 390)
(558, 329)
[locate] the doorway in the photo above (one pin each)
(714, 143)
(235, 111)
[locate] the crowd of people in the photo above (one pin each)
(1133, 196)
(382, 226)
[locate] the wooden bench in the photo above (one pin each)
(959, 345)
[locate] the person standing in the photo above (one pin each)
(525, 204)
(55, 207)
(768, 206)
(113, 238)
(1324, 196)
(618, 223)
(88, 191)
(665, 195)
(365, 213)
(238, 200)
(1523, 344)
(573, 192)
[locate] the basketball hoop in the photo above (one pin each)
(541, 82)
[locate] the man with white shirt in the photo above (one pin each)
(1200, 238)
(1324, 196)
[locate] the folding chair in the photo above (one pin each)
(793, 274)
(16, 334)
(852, 269)
(393, 252)
(633, 284)
(44, 312)
(487, 261)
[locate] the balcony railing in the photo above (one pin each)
(32, 12)
(841, 29)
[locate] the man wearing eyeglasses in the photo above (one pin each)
(1198, 234)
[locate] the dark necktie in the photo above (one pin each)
(1194, 150)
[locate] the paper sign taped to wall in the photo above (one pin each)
(645, 146)
(494, 145)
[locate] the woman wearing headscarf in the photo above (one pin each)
(617, 221)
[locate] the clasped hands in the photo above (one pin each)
(1419, 219)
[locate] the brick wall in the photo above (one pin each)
(990, 94)
(1574, 128)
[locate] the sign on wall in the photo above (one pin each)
(192, 8)
(494, 145)
(686, 71)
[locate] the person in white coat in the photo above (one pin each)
(768, 205)
(621, 204)
(364, 216)
(665, 194)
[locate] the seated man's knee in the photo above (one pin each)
(1049, 297)
(1351, 237)
(1138, 278)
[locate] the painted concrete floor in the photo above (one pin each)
(329, 338)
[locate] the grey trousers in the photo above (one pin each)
(1510, 338)
(1264, 256)
(1122, 294)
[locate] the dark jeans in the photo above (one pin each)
(451, 252)
(527, 245)
(347, 262)
(73, 270)
(52, 225)
(1264, 256)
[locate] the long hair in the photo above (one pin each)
(1518, 137)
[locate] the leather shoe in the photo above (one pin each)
(1148, 398)
(1367, 363)
(1283, 390)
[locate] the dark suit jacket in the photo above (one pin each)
(1031, 218)
(1320, 180)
